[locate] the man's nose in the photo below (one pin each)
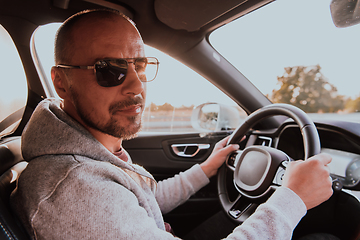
(132, 84)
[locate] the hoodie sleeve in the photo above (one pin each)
(275, 219)
(174, 191)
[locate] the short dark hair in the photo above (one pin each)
(64, 40)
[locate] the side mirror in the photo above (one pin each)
(345, 13)
(213, 117)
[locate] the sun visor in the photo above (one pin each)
(191, 15)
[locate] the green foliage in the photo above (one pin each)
(308, 89)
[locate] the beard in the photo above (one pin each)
(113, 126)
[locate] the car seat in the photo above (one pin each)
(11, 165)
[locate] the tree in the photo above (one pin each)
(353, 105)
(184, 108)
(308, 89)
(153, 107)
(165, 107)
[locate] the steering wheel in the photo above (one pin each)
(258, 170)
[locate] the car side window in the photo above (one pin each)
(175, 93)
(13, 85)
(170, 99)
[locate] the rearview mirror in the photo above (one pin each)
(345, 13)
(213, 117)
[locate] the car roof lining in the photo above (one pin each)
(191, 15)
(171, 36)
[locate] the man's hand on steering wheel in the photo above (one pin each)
(257, 171)
(218, 157)
(310, 179)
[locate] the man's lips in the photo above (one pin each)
(131, 107)
(130, 110)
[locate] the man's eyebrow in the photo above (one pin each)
(102, 58)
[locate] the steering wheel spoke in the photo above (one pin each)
(242, 208)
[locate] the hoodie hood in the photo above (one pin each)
(51, 131)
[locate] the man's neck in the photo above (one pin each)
(113, 144)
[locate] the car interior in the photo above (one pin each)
(181, 29)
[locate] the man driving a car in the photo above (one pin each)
(81, 184)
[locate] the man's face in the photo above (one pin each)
(117, 110)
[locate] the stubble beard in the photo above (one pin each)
(112, 127)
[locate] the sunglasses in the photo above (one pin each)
(112, 72)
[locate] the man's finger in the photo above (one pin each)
(322, 157)
(232, 147)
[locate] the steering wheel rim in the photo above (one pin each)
(311, 147)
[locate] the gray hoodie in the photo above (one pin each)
(74, 188)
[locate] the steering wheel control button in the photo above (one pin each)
(285, 164)
(279, 176)
(231, 160)
(337, 185)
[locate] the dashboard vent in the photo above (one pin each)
(263, 141)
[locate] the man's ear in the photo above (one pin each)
(60, 82)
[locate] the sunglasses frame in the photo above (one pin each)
(153, 60)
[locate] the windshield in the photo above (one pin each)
(293, 53)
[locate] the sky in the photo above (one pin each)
(11, 70)
(290, 33)
(260, 44)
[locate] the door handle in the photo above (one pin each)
(189, 149)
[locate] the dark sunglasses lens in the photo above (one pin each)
(109, 75)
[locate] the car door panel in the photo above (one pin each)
(157, 155)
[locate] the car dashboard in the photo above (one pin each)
(339, 139)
